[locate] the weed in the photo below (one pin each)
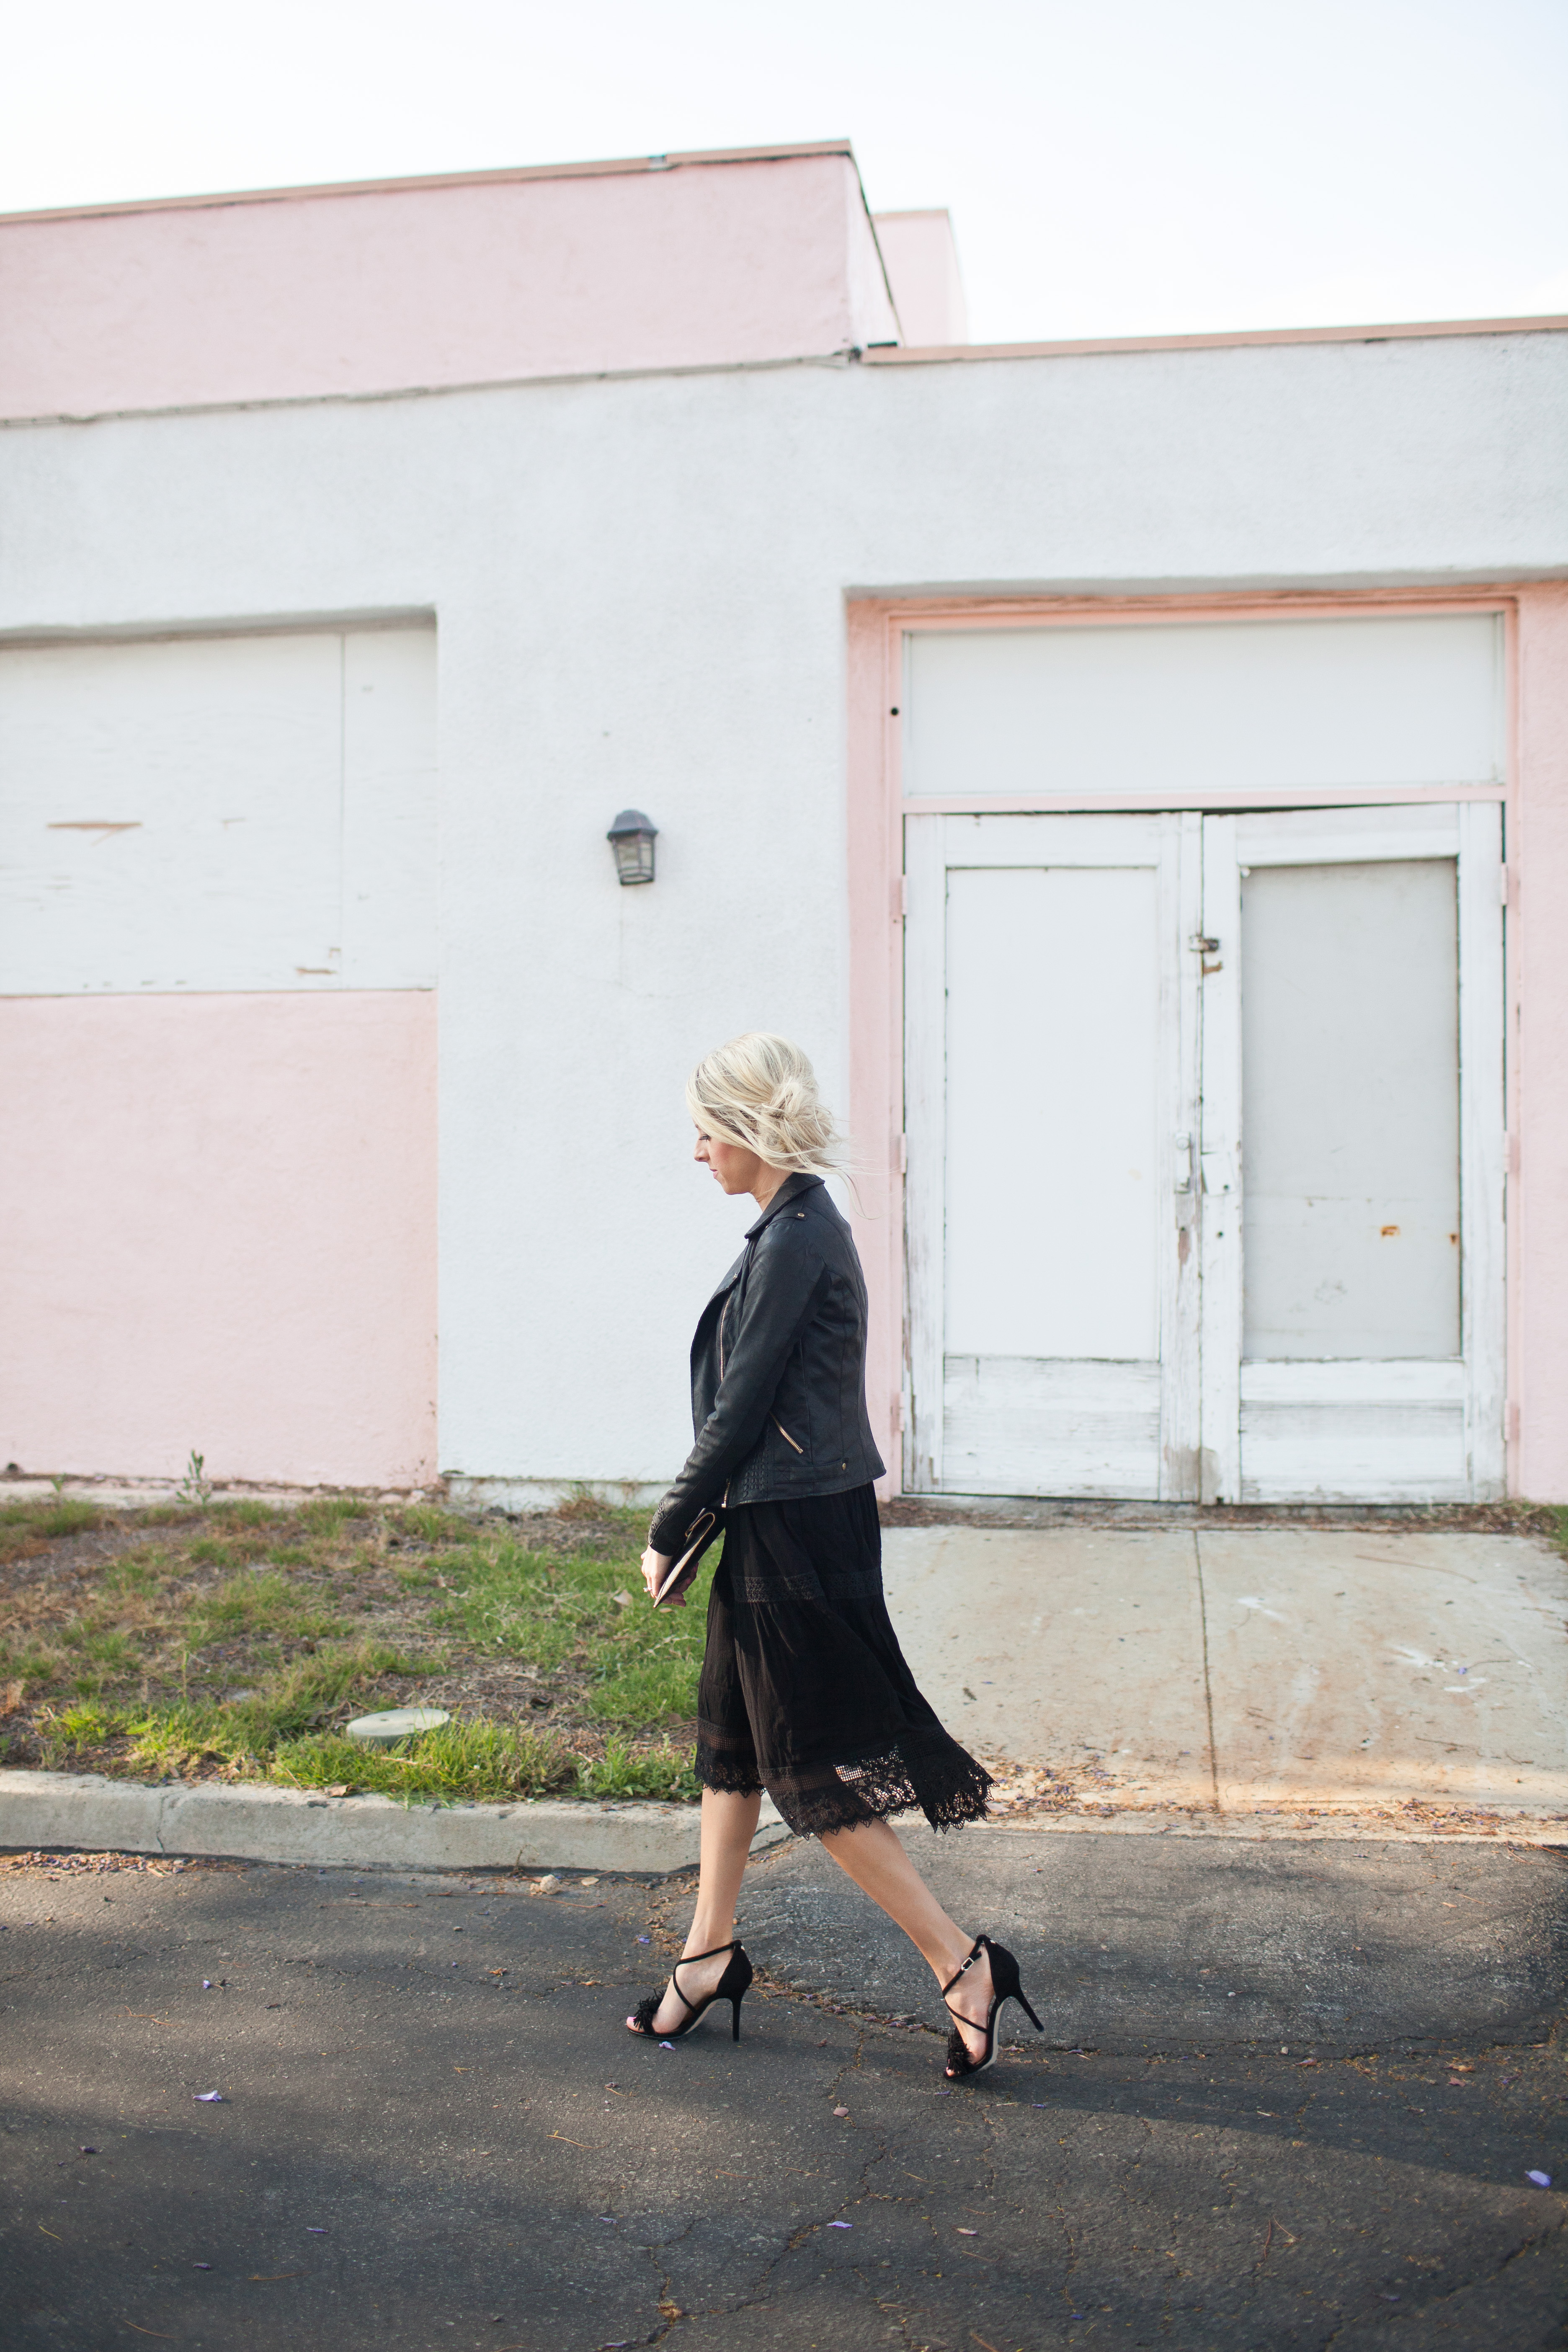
(195, 1487)
(86, 1726)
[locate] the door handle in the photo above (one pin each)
(1184, 1176)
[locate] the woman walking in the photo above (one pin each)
(804, 1691)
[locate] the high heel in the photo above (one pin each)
(1004, 1987)
(731, 1987)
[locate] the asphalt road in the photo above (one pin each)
(434, 2131)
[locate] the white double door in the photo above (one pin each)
(1205, 1140)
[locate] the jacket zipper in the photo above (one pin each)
(785, 1436)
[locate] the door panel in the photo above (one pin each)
(1350, 1033)
(1053, 1052)
(1021, 1425)
(1052, 1056)
(1391, 1431)
(1350, 1254)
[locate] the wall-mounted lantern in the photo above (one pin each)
(632, 837)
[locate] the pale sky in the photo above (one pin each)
(1112, 166)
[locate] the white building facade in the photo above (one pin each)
(1138, 775)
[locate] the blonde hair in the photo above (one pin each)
(761, 1092)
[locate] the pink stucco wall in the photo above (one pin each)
(1538, 1045)
(922, 261)
(220, 1233)
(480, 280)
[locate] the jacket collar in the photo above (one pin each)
(790, 1190)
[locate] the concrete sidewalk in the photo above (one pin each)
(1248, 1677)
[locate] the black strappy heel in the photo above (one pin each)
(731, 1987)
(1004, 1987)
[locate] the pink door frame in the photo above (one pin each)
(1535, 798)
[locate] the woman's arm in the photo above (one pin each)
(785, 1282)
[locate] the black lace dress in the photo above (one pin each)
(805, 1690)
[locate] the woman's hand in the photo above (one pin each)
(655, 1569)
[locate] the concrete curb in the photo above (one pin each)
(253, 1823)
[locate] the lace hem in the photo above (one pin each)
(933, 1777)
(730, 1775)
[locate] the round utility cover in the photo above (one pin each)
(396, 1723)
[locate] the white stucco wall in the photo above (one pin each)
(640, 590)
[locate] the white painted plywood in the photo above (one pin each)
(1198, 708)
(1351, 1085)
(1051, 1041)
(1417, 1037)
(1053, 1087)
(1019, 1425)
(193, 813)
(390, 834)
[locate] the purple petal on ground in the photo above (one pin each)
(208, 2098)
(1542, 2180)
(841, 2225)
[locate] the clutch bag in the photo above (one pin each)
(694, 1543)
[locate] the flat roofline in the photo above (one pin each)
(501, 176)
(938, 354)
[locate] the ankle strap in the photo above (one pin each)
(688, 1957)
(980, 1943)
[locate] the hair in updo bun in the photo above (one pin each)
(761, 1092)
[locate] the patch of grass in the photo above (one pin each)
(245, 1514)
(432, 1526)
(294, 1703)
(476, 1761)
(622, 1771)
(51, 1519)
(212, 1552)
(85, 1725)
(656, 1683)
(27, 1665)
(509, 1601)
(329, 1513)
(307, 1616)
(263, 1603)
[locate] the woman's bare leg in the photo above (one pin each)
(729, 1825)
(873, 1857)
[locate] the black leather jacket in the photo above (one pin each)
(778, 1368)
